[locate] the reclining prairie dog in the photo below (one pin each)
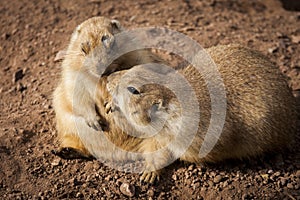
(74, 99)
(261, 111)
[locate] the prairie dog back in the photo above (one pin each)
(261, 111)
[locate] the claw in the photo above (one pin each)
(149, 177)
(95, 124)
(107, 106)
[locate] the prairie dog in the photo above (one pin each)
(261, 111)
(74, 99)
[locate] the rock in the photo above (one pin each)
(107, 178)
(218, 179)
(265, 176)
(296, 93)
(210, 183)
(162, 195)
(295, 38)
(132, 18)
(14, 31)
(150, 193)
(283, 181)
(298, 173)
(191, 167)
(290, 186)
(79, 195)
(72, 181)
(276, 174)
(174, 177)
(273, 50)
(127, 189)
(56, 162)
(225, 184)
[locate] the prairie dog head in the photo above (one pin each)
(140, 98)
(90, 43)
(96, 31)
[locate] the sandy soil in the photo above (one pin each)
(31, 34)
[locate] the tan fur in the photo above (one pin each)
(258, 103)
(261, 111)
(75, 97)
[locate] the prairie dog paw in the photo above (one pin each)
(71, 153)
(150, 177)
(94, 122)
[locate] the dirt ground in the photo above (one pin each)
(31, 34)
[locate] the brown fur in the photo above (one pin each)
(258, 103)
(261, 111)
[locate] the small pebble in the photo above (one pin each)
(218, 179)
(277, 174)
(79, 195)
(174, 177)
(296, 38)
(290, 186)
(283, 181)
(150, 193)
(272, 50)
(191, 167)
(298, 173)
(265, 176)
(127, 189)
(225, 184)
(210, 183)
(56, 162)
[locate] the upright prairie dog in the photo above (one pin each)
(261, 111)
(74, 99)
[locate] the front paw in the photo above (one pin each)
(108, 107)
(150, 177)
(71, 153)
(94, 122)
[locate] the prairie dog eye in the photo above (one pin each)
(105, 40)
(116, 26)
(133, 90)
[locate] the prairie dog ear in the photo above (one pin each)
(76, 33)
(116, 25)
